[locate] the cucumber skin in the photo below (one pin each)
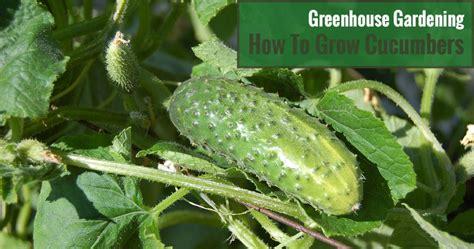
(261, 134)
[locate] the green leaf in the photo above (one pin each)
(111, 196)
(8, 190)
(82, 142)
(207, 9)
(463, 224)
(205, 69)
(429, 171)
(219, 56)
(122, 143)
(398, 231)
(357, 96)
(372, 138)
(376, 239)
(26, 47)
(406, 232)
(280, 80)
(87, 210)
(444, 239)
(98, 146)
(457, 200)
(315, 80)
(183, 157)
(8, 241)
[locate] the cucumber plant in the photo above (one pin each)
(113, 135)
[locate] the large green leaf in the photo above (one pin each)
(376, 239)
(372, 138)
(218, 55)
(29, 60)
(463, 224)
(122, 144)
(399, 230)
(444, 239)
(280, 80)
(207, 9)
(88, 210)
(429, 171)
(406, 232)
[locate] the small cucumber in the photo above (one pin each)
(264, 136)
(121, 64)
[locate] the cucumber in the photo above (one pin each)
(260, 133)
(121, 64)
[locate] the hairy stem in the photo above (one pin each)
(432, 76)
(120, 10)
(269, 226)
(168, 201)
(259, 202)
(189, 182)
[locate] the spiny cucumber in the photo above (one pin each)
(263, 135)
(121, 64)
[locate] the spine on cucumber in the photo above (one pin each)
(263, 135)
